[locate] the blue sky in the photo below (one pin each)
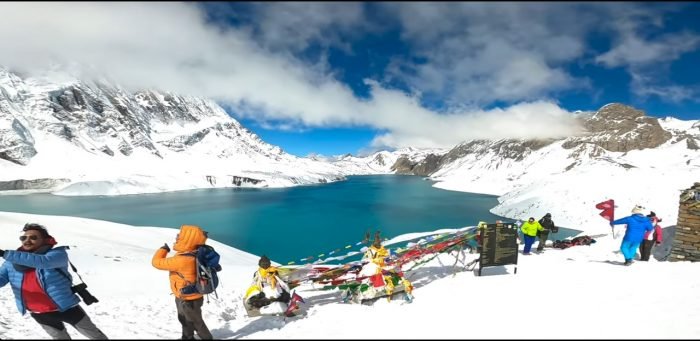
(352, 77)
(354, 56)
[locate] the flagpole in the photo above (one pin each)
(612, 230)
(612, 218)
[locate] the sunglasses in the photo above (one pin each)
(32, 237)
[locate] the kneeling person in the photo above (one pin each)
(269, 293)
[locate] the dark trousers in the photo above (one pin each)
(189, 313)
(543, 235)
(53, 324)
(645, 249)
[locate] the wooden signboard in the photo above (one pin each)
(499, 245)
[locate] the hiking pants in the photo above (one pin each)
(543, 239)
(629, 249)
(189, 313)
(645, 249)
(53, 324)
(529, 240)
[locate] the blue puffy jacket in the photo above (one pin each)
(637, 225)
(48, 265)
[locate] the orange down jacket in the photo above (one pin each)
(181, 267)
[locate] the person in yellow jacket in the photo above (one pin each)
(267, 286)
(269, 293)
(530, 228)
(182, 273)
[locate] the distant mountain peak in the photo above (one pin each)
(618, 111)
(145, 131)
(620, 128)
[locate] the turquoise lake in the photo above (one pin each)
(286, 224)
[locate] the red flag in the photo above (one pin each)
(608, 208)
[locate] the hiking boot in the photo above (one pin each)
(628, 263)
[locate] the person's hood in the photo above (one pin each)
(639, 218)
(189, 238)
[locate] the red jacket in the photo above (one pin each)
(35, 298)
(657, 231)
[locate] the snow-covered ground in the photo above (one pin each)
(653, 178)
(572, 293)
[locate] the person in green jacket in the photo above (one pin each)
(530, 228)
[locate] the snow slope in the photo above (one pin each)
(572, 293)
(568, 177)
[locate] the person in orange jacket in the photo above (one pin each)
(182, 273)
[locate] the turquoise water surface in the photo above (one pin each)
(286, 224)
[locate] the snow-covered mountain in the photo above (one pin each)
(85, 137)
(385, 162)
(76, 137)
(626, 156)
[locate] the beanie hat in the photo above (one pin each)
(637, 209)
(264, 262)
(548, 215)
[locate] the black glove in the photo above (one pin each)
(165, 247)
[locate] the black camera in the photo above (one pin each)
(81, 290)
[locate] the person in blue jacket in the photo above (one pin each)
(637, 226)
(38, 275)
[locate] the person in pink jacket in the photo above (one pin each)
(651, 237)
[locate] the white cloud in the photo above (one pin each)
(636, 51)
(648, 57)
(484, 52)
(642, 85)
(171, 46)
(296, 25)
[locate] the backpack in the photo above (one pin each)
(583, 240)
(207, 265)
(562, 244)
